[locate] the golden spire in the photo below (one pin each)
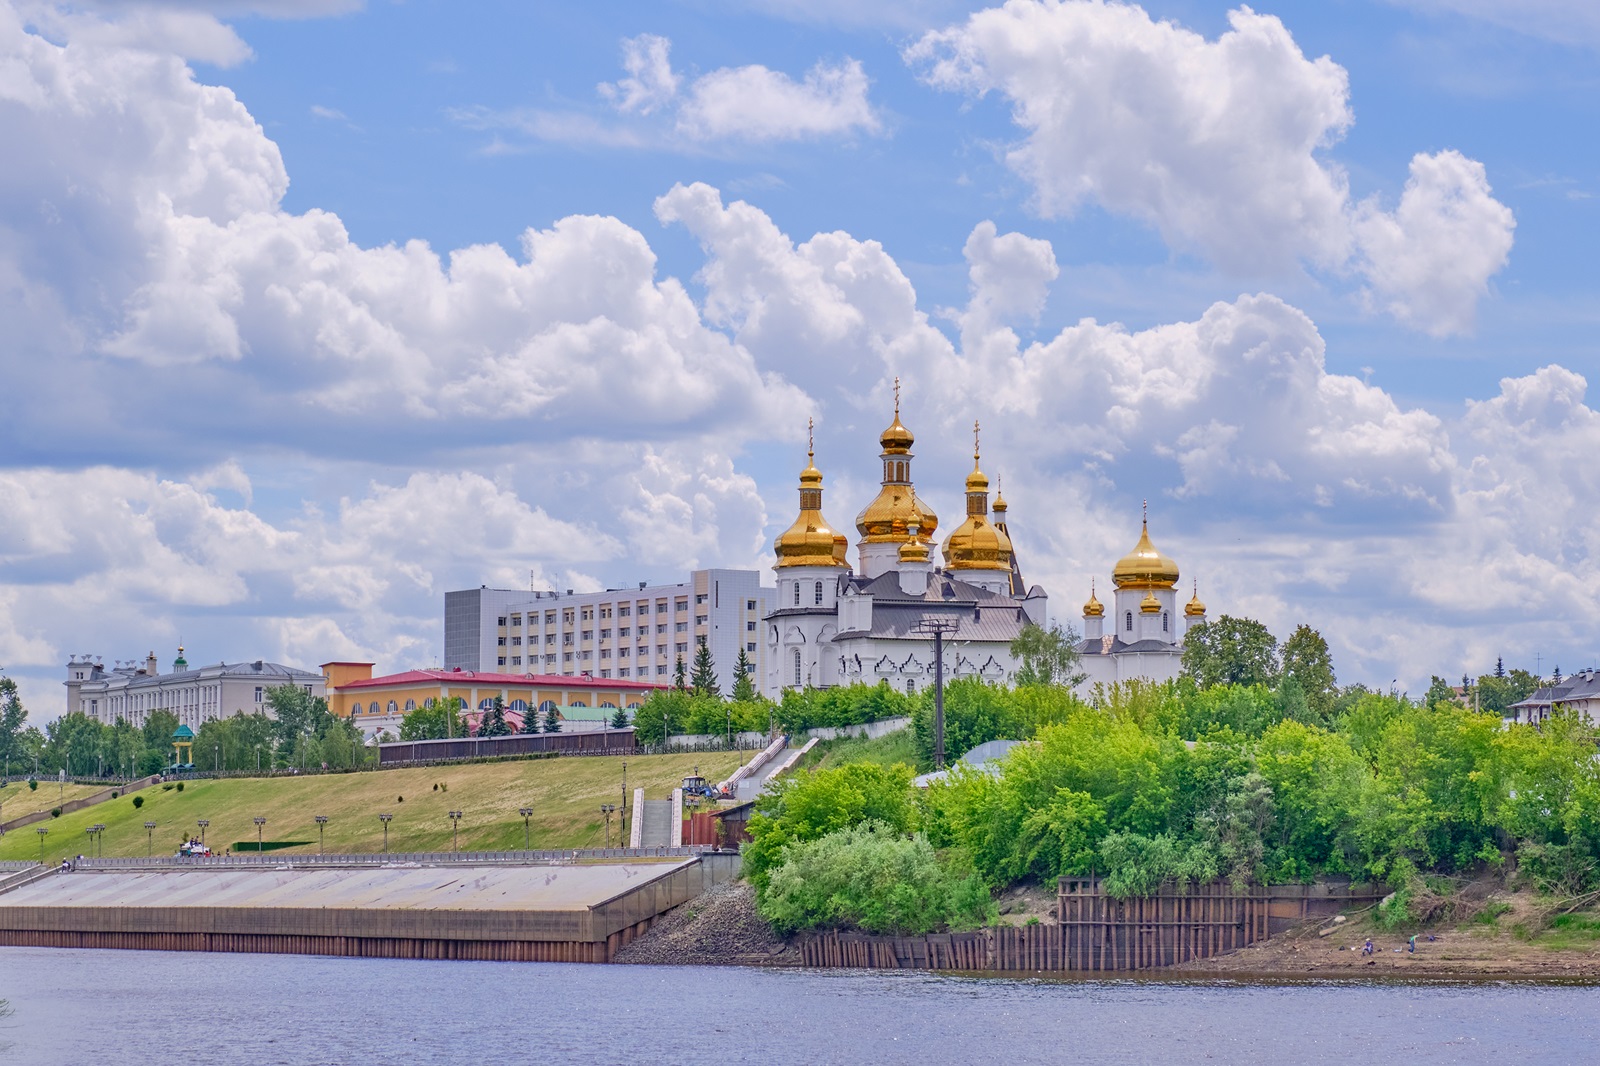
(999, 501)
(1094, 608)
(1194, 608)
(811, 541)
(978, 544)
(1145, 567)
(889, 517)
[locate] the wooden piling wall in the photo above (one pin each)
(1094, 932)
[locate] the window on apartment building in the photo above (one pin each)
(699, 619)
(819, 593)
(661, 608)
(622, 672)
(516, 641)
(662, 628)
(605, 673)
(549, 638)
(258, 693)
(605, 612)
(549, 618)
(588, 614)
(681, 605)
(749, 647)
(516, 660)
(750, 626)
(586, 655)
(749, 605)
(588, 634)
(605, 653)
(681, 648)
(394, 708)
(411, 705)
(502, 642)
(502, 620)
(700, 641)
(566, 617)
(680, 627)
(624, 631)
(660, 670)
(700, 598)
(566, 656)
(622, 653)
(622, 612)
(605, 634)
(516, 619)
(502, 660)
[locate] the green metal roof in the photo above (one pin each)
(183, 732)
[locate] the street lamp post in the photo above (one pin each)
(260, 821)
(455, 831)
(202, 823)
(622, 822)
(91, 830)
(149, 838)
(384, 818)
(100, 839)
(606, 809)
(42, 831)
(938, 628)
(526, 812)
(322, 821)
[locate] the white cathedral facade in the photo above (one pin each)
(835, 624)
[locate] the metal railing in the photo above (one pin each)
(566, 856)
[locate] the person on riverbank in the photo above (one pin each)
(1411, 945)
(1366, 949)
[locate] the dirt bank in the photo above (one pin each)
(1513, 935)
(719, 928)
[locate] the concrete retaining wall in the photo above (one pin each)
(75, 805)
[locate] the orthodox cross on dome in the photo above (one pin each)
(975, 449)
(897, 395)
(811, 438)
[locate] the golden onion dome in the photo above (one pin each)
(913, 551)
(896, 510)
(1149, 605)
(810, 541)
(1094, 608)
(1194, 608)
(897, 439)
(999, 505)
(978, 543)
(1145, 567)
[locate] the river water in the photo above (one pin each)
(77, 1007)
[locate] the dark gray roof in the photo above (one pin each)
(1584, 685)
(1098, 646)
(271, 673)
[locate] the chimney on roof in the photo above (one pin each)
(641, 584)
(569, 592)
(151, 667)
(259, 665)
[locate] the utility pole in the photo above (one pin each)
(938, 628)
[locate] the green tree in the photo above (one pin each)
(1440, 694)
(620, 719)
(530, 720)
(812, 805)
(703, 682)
(1048, 656)
(1230, 651)
(1307, 660)
(13, 719)
(493, 722)
(437, 719)
(678, 681)
(158, 729)
(744, 687)
(299, 715)
(552, 720)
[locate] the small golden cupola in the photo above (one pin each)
(1145, 567)
(1094, 608)
(1150, 605)
(889, 518)
(978, 543)
(811, 541)
(1194, 608)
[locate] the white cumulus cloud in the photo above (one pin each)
(1221, 145)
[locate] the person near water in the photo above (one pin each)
(1366, 949)
(1412, 944)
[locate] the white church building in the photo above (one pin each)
(1143, 637)
(838, 625)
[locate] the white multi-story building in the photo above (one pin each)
(633, 633)
(133, 690)
(834, 625)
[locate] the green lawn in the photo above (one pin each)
(565, 795)
(17, 799)
(891, 748)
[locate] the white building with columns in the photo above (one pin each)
(134, 690)
(838, 625)
(1143, 638)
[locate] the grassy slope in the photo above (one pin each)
(16, 799)
(896, 747)
(565, 794)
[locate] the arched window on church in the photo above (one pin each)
(1128, 623)
(797, 668)
(819, 594)
(797, 593)
(1163, 621)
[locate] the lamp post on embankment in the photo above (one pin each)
(384, 818)
(322, 821)
(260, 821)
(99, 829)
(43, 832)
(149, 839)
(607, 809)
(526, 812)
(455, 831)
(202, 823)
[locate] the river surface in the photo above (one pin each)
(76, 1007)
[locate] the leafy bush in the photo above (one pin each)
(873, 878)
(138, 801)
(812, 805)
(33, 784)
(55, 812)
(180, 786)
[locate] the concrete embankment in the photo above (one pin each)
(554, 910)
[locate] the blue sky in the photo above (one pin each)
(320, 308)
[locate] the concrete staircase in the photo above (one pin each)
(656, 824)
